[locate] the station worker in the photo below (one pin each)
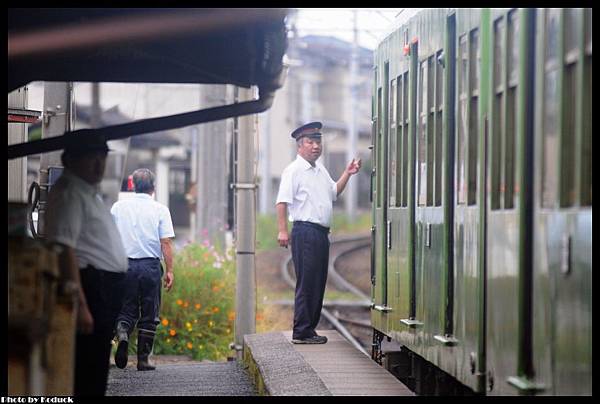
(78, 219)
(308, 191)
(146, 228)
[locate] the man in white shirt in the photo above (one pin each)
(308, 191)
(93, 254)
(146, 230)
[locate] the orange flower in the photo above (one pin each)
(259, 317)
(186, 304)
(172, 332)
(215, 288)
(197, 306)
(179, 302)
(189, 345)
(215, 309)
(165, 322)
(231, 315)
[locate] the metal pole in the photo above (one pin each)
(266, 203)
(245, 191)
(351, 188)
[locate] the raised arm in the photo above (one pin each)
(352, 168)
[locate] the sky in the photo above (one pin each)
(372, 23)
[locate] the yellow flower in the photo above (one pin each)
(228, 331)
(165, 322)
(168, 340)
(172, 332)
(179, 302)
(195, 320)
(189, 345)
(211, 323)
(188, 324)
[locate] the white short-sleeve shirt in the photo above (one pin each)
(142, 222)
(309, 192)
(77, 217)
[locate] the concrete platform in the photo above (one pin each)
(279, 367)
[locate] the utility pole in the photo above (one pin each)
(245, 222)
(266, 203)
(351, 191)
(211, 186)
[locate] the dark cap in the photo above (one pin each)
(310, 129)
(86, 143)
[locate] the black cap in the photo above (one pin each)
(310, 129)
(86, 143)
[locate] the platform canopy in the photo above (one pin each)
(242, 47)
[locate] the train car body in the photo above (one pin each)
(481, 188)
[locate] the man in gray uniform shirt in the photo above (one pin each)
(93, 253)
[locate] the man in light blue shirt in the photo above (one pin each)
(146, 230)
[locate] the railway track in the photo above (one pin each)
(336, 311)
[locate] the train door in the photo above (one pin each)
(430, 264)
(379, 259)
(562, 278)
(399, 221)
(468, 268)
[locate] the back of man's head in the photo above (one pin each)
(143, 181)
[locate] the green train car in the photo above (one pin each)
(481, 262)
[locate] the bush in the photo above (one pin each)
(197, 315)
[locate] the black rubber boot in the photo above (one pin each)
(145, 342)
(123, 345)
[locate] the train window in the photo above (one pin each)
(552, 37)
(405, 134)
(497, 115)
(513, 47)
(473, 116)
(392, 179)
(422, 135)
(399, 134)
(550, 139)
(430, 127)
(508, 183)
(439, 102)
(462, 121)
(568, 136)
(377, 161)
(586, 141)
(572, 30)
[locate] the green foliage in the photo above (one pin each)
(197, 315)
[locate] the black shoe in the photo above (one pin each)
(121, 354)
(123, 339)
(317, 339)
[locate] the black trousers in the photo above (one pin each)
(104, 294)
(142, 294)
(310, 253)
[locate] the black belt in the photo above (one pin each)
(102, 272)
(141, 259)
(313, 225)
